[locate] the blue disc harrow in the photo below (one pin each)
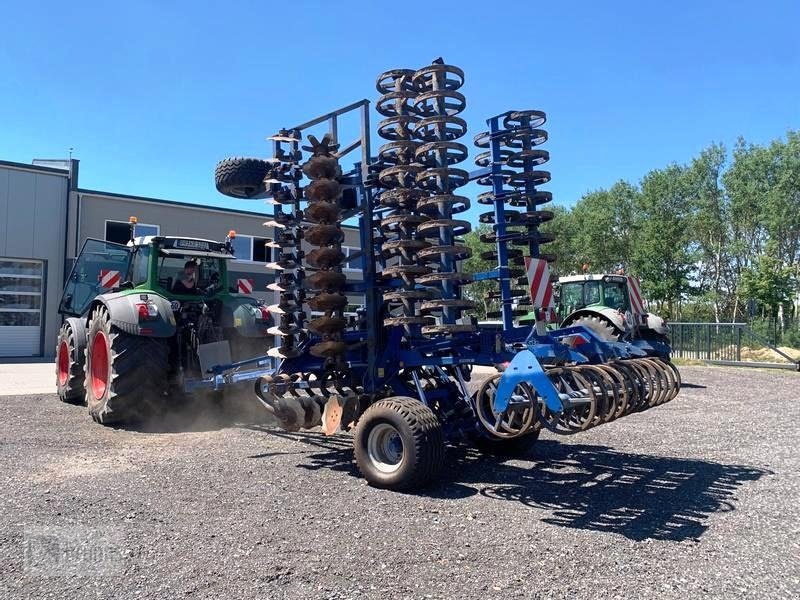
(398, 373)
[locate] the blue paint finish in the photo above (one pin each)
(525, 368)
(378, 354)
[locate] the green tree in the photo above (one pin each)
(780, 208)
(746, 185)
(661, 253)
(769, 283)
(711, 230)
(563, 247)
(479, 291)
(602, 227)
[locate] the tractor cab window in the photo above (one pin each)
(571, 296)
(174, 269)
(591, 293)
(140, 266)
(99, 269)
(615, 295)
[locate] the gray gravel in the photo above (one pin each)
(698, 498)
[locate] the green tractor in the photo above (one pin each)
(146, 319)
(611, 305)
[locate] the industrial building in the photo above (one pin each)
(45, 217)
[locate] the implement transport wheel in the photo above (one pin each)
(399, 444)
(69, 362)
(242, 177)
(126, 375)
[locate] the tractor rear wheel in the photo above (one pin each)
(242, 177)
(126, 375)
(70, 377)
(605, 330)
(399, 444)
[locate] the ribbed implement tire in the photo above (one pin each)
(134, 368)
(242, 177)
(422, 443)
(69, 365)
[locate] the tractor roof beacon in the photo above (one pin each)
(146, 319)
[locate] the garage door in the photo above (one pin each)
(20, 307)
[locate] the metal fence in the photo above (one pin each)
(727, 344)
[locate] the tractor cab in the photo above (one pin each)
(99, 269)
(146, 263)
(593, 291)
(180, 267)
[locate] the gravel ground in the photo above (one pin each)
(698, 498)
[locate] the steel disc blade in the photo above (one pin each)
(326, 302)
(325, 258)
(328, 349)
(327, 325)
(283, 352)
(280, 309)
(323, 235)
(327, 280)
(323, 212)
(284, 330)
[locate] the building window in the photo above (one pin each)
(354, 266)
(242, 247)
(261, 253)
(248, 248)
(119, 232)
(20, 294)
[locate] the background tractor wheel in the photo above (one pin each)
(242, 177)
(126, 375)
(605, 330)
(399, 444)
(70, 356)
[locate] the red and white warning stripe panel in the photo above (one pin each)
(109, 279)
(635, 295)
(541, 288)
(244, 286)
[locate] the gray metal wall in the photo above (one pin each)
(33, 211)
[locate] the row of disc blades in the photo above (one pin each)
(419, 178)
(319, 225)
(325, 233)
(518, 160)
(599, 394)
(288, 316)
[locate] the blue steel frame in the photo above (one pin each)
(376, 354)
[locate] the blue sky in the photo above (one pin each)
(152, 94)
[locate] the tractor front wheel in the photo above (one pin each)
(399, 444)
(600, 325)
(126, 375)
